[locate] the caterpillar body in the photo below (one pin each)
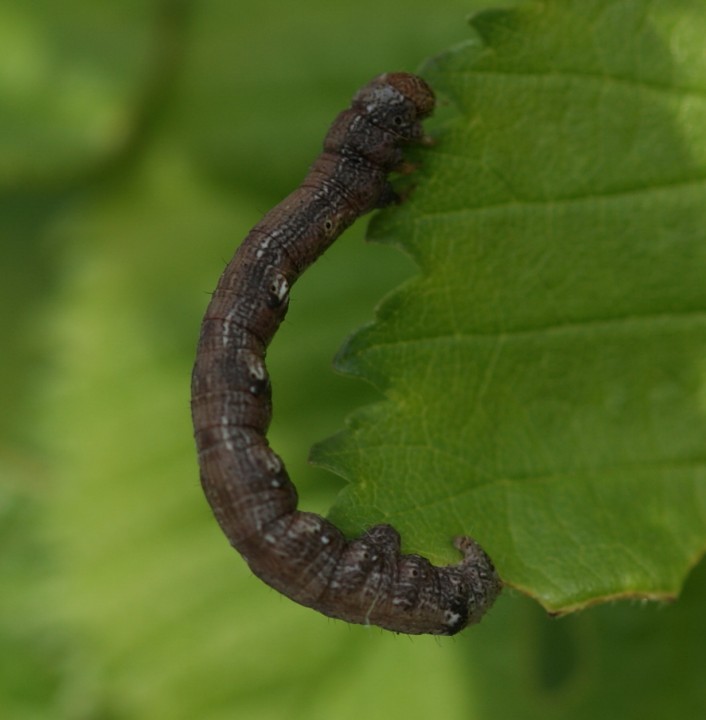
(302, 555)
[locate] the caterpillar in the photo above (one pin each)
(303, 555)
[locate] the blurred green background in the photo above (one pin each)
(139, 141)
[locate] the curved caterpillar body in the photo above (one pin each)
(303, 555)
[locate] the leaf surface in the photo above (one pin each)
(544, 374)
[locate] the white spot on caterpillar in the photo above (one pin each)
(256, 367)
(266, 459)
(280, 287)
(227, 321)
(452, 618)
(225, 332)
(225, 434)
(265, 242)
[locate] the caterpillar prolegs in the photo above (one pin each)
(304, 556)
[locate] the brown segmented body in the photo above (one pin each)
(303, 555)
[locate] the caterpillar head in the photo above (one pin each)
(396, 103)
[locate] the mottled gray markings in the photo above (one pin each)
(304, 556)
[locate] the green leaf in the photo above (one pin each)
(544, 374)
(120, 597)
